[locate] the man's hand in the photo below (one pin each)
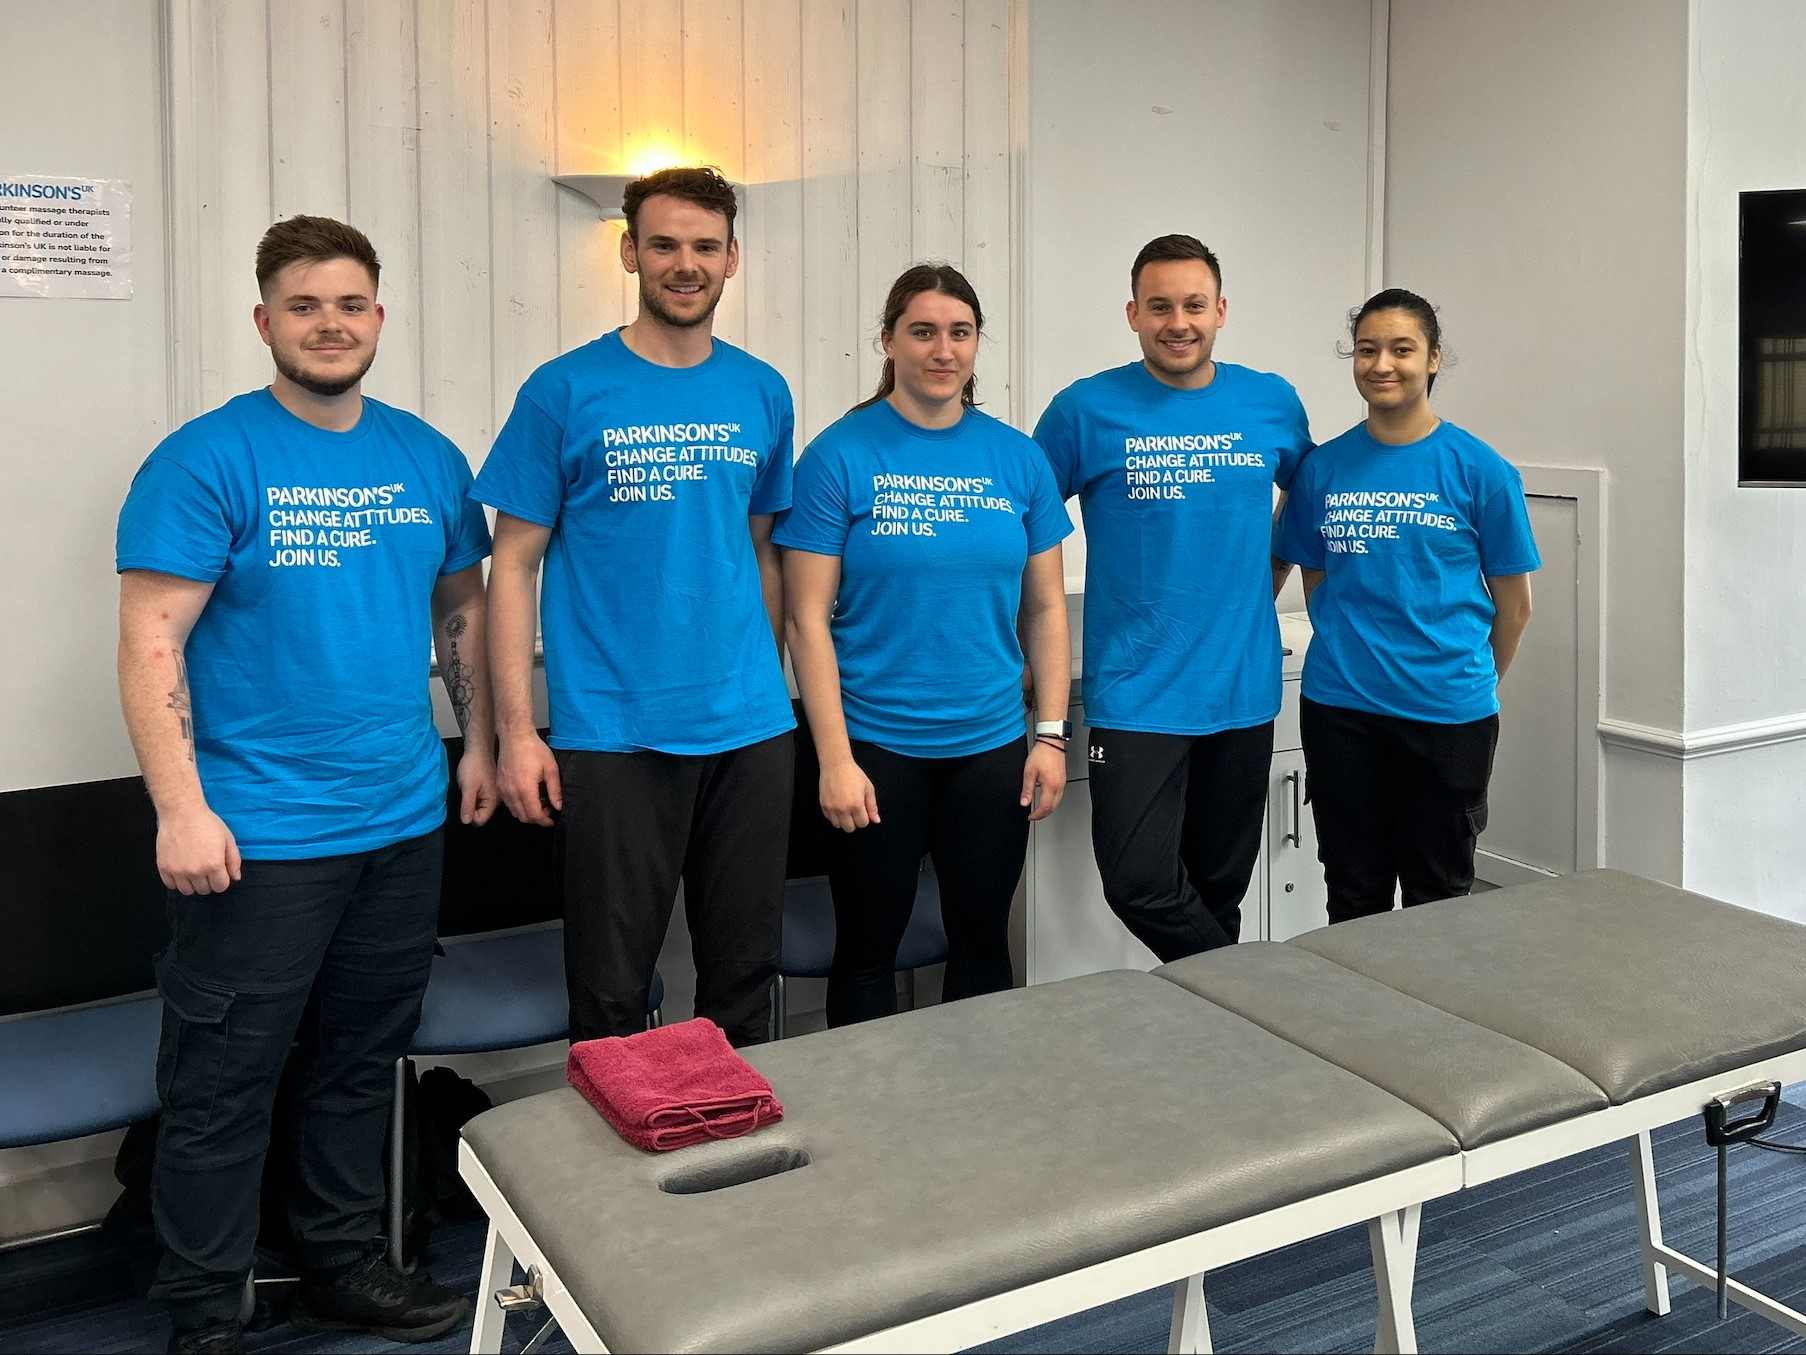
(528, 777)
(196, 853)
(848, 800)
(477, 786)
(1046, 769)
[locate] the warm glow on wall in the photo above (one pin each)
(651, 157)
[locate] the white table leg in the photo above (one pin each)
(1393, 1239)
(1191, 1323)
(1649, 1224)
(497, 1273)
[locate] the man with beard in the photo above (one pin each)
(1174, 459)
(284, 561)
(644, 469)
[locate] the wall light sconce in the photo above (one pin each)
(605, 190)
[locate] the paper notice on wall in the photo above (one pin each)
(65, 237)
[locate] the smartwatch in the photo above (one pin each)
(1060, 729)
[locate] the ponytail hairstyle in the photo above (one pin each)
(916, 279)
(1398, 299)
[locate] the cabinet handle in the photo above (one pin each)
(1295, 835)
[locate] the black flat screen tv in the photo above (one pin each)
(1771, 295)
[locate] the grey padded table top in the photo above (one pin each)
(955, 1153)
(1639, 986)
(1479, 1084)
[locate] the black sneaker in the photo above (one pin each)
(371, 1295)
(225, 1338)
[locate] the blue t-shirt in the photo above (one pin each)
(1405, 536)
(313, 722)
(933, 527)
(656, 633)
(1176, 488)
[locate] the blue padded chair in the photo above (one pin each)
(501, 991)
(808, 950)
(81, 1070)
(77, 1071)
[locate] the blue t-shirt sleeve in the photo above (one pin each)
(1060, 444)
(819, 517)
(175, 523)
(467, 537)
(1297, 539)
(524, 475)
(773, 488)
(1507, 545)
(1046, 519)
(1297, 442)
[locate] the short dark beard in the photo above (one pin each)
(313, 385)
(651, 300)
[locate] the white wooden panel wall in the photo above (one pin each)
(868, 133)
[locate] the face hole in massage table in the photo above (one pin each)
(754, 1166)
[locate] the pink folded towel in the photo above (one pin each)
(673, 1086)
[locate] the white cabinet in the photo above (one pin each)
(1295, 894)
(1071, 930)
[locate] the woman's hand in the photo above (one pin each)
(847, 798)
(1046, 770)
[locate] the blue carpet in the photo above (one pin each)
(1543, 1261)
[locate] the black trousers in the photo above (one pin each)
(1399, 804)
(964, 813)
(331, 955)
(633, 826)
(1175, 824)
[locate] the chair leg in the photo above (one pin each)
(655, 1018)
(397, 1159)
(778, 1022)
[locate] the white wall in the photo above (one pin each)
(86, 385)
(1536, 191)
(1244, 125)
(869, 134)
(1746, 548)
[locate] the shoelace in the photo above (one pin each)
(379, 1280)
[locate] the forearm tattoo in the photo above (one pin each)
(182, 705)
(460, 677)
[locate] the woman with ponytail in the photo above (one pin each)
(1417, 554)
(922, 559)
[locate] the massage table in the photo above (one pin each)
(947, 1176)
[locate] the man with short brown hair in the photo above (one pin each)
(644, 470)
(285, 561)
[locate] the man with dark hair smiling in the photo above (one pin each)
(285, 562)
(644, 470)
(1174, 459)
